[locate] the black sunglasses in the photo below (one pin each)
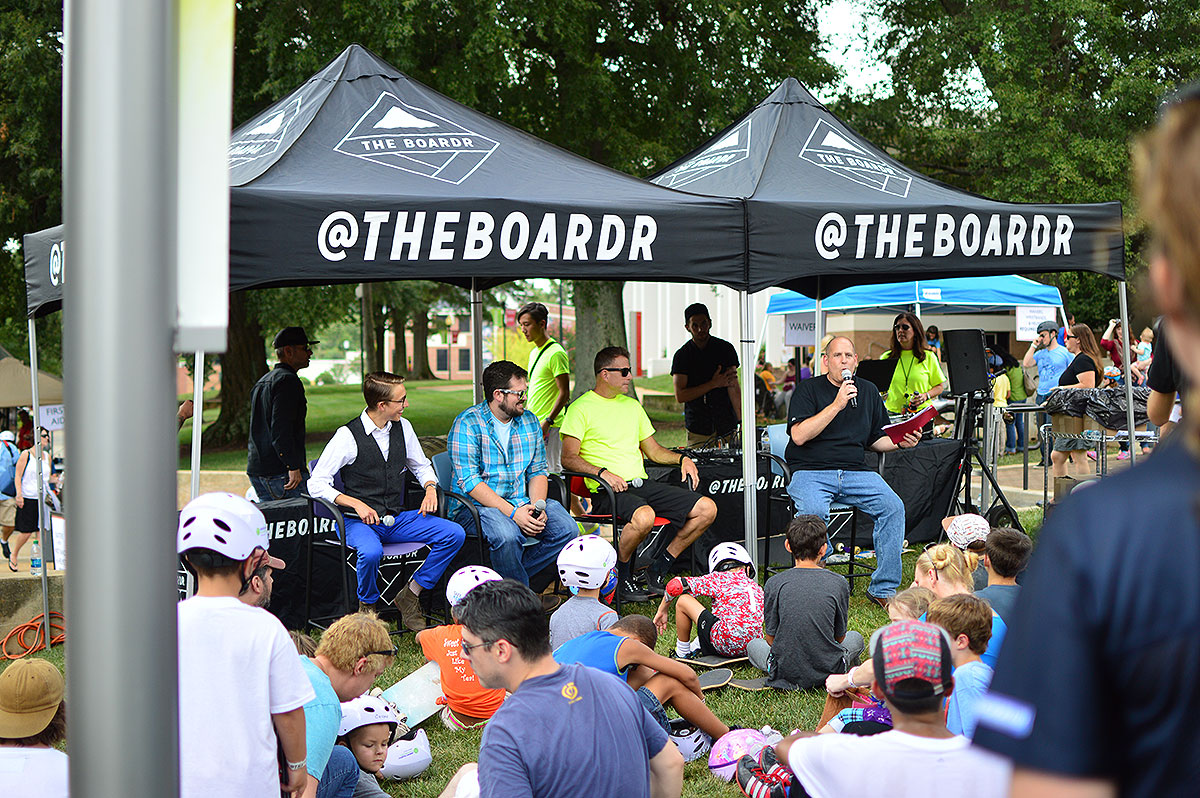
(623, 372)
(902, 327)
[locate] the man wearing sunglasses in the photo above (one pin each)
(499, 457)
(1051, 360)
(607, 433)
(276, 463)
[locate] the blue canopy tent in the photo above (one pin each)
(953, 294)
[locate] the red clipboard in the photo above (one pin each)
(898, 430)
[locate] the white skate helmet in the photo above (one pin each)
(226, 524)
(365, 710)
(691, 742)
(407, 757)
(465, 579)
(585, 562)
(728, 555)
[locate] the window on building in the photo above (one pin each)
(443, 359)
(464, 359)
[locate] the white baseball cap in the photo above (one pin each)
(7, 435)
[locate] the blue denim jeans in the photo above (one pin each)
(813, 491)
(511, 558)
(271, 488)
(340, 776)
(443, 537)
(1014, 437)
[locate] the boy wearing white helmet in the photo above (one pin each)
(468, 704)
(737, 614)
(586, 566)
(368, 730)
(241, 685)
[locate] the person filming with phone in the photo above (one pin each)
(832, 421)
(607, 433)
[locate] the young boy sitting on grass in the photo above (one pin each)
(807, 609)
(968, 620)
(468, 704)
(1006, 553)
(368, 728)
(737, 614)
(585, 565)
(626, 650)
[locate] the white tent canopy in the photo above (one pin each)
(16, 388)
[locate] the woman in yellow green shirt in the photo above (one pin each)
(918, 376)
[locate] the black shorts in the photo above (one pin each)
(27, 516)
(672, 502)
(704, 627)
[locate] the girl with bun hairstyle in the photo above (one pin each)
(946, 570)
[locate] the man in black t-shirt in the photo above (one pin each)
(1165, 380)
(706, 381)
(832, 422)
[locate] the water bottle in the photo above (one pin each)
(764, 441)
(35, 558)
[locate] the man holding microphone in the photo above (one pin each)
(832, 421)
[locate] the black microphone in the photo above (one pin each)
(539, 507)
(848, 377)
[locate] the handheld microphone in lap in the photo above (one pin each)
(539, 507)
(848, 377)
(636, 482)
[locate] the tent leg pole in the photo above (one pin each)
(749, 444)
(477, 338)
(1134, 448)
(818, 334)
(41, 489)
(197, 420)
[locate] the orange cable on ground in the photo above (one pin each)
(38, 642)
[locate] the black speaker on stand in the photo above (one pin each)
(966, 361)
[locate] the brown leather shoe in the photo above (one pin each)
(882, 602)
(364, 607)
(410, 610)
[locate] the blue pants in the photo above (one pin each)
(443, 537)
(511, 558)
(813, 491)
(270, 488)
(1014, 437)
(340, 776)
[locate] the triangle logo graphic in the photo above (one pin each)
(830, 150)
(395, 134)
(265, 138)
(733, 148)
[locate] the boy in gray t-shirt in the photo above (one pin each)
(805, 637)
(586, 566)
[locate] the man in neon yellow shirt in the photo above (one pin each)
(549, 379)
(607, 433)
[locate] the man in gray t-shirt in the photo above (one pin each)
(804, 621)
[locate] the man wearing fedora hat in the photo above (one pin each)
(32, 721)
(277, 465)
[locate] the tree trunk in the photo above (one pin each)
(241, 366)
(372, 351)
(599, 322)
(421, 369)
(398, 320)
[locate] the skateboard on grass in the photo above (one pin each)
(416, 695)
(717, 677)
(712, 660)
(750, 685)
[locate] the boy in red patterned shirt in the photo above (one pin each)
(737, 614)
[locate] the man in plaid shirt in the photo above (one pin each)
(499, 458)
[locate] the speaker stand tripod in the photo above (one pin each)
(968, 411)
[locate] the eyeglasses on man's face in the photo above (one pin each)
(623, 372)
(519, 394)
(467, 648)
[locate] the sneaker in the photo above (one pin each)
(656, 583)
(762, 776)
(409, 605)
(1122, 455)
(1091, 455)
(630, 591)
(364, 607)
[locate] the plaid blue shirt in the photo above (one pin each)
(477, 457)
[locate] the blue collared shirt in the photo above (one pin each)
(477, 455)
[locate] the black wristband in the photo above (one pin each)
(601, 471)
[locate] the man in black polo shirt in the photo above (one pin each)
(276, 463)
(706, 382)
(373, 455)
(832, 421)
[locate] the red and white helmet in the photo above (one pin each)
(224, 523)
(723, 553)
(465, 579)
(365, 710)
(585, 562)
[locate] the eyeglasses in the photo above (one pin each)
(1065, 337)
(518, 394)
(467, 647)
(403, 400)
(391, 653)
(45, 434)
(623, 372)
(902, 327)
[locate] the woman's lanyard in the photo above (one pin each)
(905, 371)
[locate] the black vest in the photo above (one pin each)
(369, 478)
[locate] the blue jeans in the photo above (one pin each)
(271, 488)
(1014, 434)
(340, 776)
(443, 537)
(511, 558)
(813, 491)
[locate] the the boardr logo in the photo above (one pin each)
(264, 138)
(396, 134)
(829, 149)
(732, 148)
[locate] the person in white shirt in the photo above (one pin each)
(32, 721)
(242, 688)
(913, 667)
(371, 454)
